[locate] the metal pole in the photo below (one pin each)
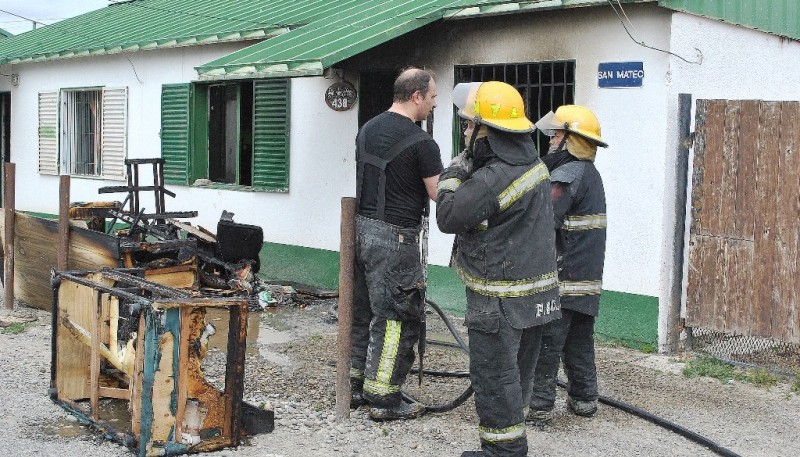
(8, 247)
(673, 316)
(63, 223)
(345, 338)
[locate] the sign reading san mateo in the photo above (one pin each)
(620, 74)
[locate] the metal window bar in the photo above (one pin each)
(82, 127)
(544, 86)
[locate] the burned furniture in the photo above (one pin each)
(131, 210)
(118, 337)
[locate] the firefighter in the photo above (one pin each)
(579, 206)
(495, 197)
(398, 168)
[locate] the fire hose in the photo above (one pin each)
(630, 409)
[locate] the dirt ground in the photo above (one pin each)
(291, 367)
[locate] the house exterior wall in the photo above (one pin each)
(735, 63)
(321, 140)
(640, 124)
(633, 120)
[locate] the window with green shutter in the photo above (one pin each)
(175, 132)
(229, 133)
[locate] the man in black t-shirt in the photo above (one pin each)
(398, 169)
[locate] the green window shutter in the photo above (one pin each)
(271, 135)
(175, 132)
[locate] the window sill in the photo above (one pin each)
(206, 184)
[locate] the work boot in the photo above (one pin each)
(357, 393)
(357, 399)
(539, 417)
(585, 408)
(402, 411)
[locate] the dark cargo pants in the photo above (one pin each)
(388, 308)
(571, 340)
(501, 363)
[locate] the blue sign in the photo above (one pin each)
(620, 74)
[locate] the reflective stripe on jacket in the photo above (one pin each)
(579, 206)
(505, 243)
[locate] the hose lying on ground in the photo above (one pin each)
(630, 409)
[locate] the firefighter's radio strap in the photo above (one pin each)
(364, 157)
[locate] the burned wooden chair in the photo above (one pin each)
(132, 212)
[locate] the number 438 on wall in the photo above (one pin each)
(340, 96)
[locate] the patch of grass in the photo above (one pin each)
(796, 384)
(708, 366)
(714, 368)
(14, 329)
(316, 337)
(385, 431)
(648, 348)
(761, 378)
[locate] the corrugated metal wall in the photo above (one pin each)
(781, 17)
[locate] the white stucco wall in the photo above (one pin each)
(633, 120)
(729, 62)
(321, 142)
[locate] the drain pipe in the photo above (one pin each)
(670, 323)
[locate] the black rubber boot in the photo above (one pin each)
(585, 408)
(539, 417)
(472, 454)
(357, 393)
(403, 411)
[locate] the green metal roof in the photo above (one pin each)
(355, 27)
(152, 24)
(5, 33)
(306, 36)
(779, 17)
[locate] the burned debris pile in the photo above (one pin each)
(133, 327)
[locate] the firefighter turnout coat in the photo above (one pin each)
(505, 243)
(579, 205)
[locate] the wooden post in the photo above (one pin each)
(345, 338)
(62, 257)
(94, 362)
(8, 248)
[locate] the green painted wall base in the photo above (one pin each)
(628, 319)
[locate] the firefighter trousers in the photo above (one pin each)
(388, 306)
(501, 365)
(571, 340)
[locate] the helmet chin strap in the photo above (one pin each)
(472, 139)
(563, 144)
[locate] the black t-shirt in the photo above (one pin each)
(406, 195)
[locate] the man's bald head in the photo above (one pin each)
(412, 80)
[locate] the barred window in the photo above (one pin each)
(81, 131)
(544, 87)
